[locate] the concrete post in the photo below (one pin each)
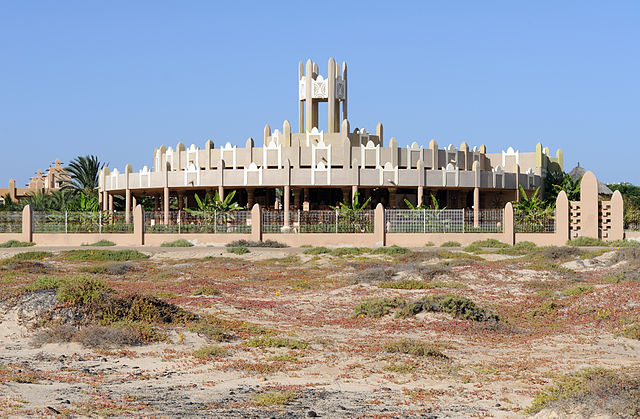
(508, 229)
(476, 207)
(331, 100)
(250, 197)
(378, 226)
(256, 223)
(138, 224)
(420, 195)
(165, 205)
(181, 201)
(12, 189)
(105, 201)
(308, 89)
(134, 201)
(27, 224)
(617, 217)
(221, 192)
(562, 219)
(589, 206)
(127, 206)
(110, 204)
(287, 204)
(306, 204)
(354, 191)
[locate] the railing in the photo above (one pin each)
(489, 221)
(10, 222)
(80, 222)
(424, 221)
(329, 221)
(530, 222)
(212, 222)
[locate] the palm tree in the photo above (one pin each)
(83, 174)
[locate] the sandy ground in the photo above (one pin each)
(491, 372)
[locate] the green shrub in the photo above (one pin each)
(317, 250)
(276, 342)
(408, 284)
(415, 348)
(586, 241)
(210, 351)
(16, 243)
(81, 290)
(177, 243)
(456, 305)
(624, 243)
(104, 255)
(349, 251)
(250, 243)
(450, 244)
(377, 307)
(429, 244)
(276, 398)
(577, 290)
(518, 249)
(19, 257)
(391, 250)
(101, 243)
(632, 331)
(614, 394)
(240, 250)
(478, 245)
(45, 283)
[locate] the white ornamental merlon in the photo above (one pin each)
(320, 89)
(145, 172)
(498, 171)
(369, 146)
(271, 147)
(314, 133)
(228, 148)
(414, 148)
(530, 178)
(388, 167)
(191, 169)
(114, 178)
(158, 159)
(449, 151)
(475, 149)
(510, 152)
(253, 168)
(170, 157)
(302, 88)
(451, 168)
(193, 150)
(320, 166)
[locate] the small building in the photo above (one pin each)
(40, 183)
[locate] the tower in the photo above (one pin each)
(313, 88)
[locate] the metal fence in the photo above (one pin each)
(10, 222)
(532, 222)
(80, 222)
(329, 221)
(424, 221)
(489, 221)
(215, 222)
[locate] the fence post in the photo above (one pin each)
(336, 221)
(617, 217)
(66, 229)
(562, 219)
(27, 224)
(589, 206)
(508, 229)
(424, 220)
(256, 223)
(378, 226)
(138, 225)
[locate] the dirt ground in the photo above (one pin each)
(554, 319)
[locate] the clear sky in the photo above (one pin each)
(118, 78)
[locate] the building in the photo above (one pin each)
(40, 183)
(314, 168)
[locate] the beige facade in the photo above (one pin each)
(315, 168)
(40, 183)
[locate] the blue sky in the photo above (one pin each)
(117, 79)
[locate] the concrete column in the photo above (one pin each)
(346, 194)
(165, 205)
(420, 195)
(181, 200)
(617, 217)
(563, 228)
(138, 224)
(256, 223)
(250, 197)
(127, 206)
(476, 207)
(27, 224)
(105, 201)
(156, 203)
(286, 198)
(331, 99)
(378, 225)
(306, 204)
(296, 198)
(308, 103)
(589, 206)
(221, 192)
(354, 191)
(110, 209)
(134, 202)
(508, 230)
(392, 198)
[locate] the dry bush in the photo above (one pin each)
(374, 274)
(94, 336)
